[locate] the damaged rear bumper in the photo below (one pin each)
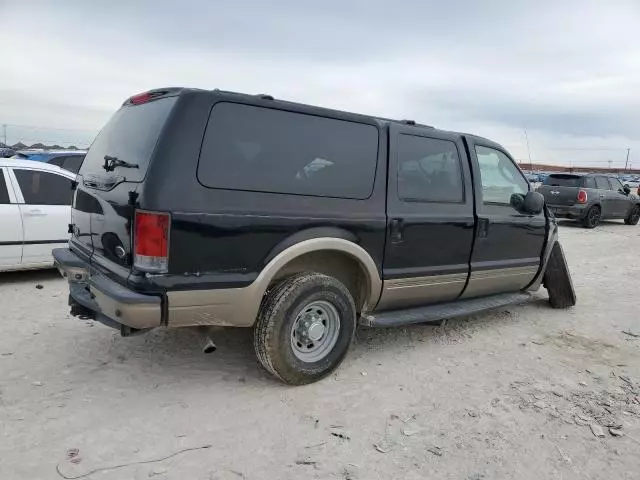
(93, 295)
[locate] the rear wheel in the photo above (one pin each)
(304, 328)
(557, 280)
(634, 216)
(592, 219)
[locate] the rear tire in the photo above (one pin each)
(634, 216)
(592, 219)
(557, 280)
(304, 328)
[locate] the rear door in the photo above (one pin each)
(45, 199)
(11, 232)
(508, 244)
(605, 198)
(430, 218)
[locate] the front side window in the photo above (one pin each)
(602, 183)
(43, 188)
(266, 150)
(429, 170)
(616, 185)
(500, 177)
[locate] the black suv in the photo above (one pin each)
(590, 198)
(212, 208)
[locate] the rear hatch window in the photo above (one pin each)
(558, 180)
(131, 136)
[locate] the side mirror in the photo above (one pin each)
(627, 189)
(533, 203)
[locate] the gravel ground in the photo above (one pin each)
(518, 393)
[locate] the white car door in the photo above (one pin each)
(45, 207)
(10, 225)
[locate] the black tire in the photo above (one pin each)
(278, 314)
(557, 280)
(592, 219)
(634, 216)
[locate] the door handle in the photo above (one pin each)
(35, 213)
(395, 229)
(483, 227)
(601, 195)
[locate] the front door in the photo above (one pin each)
(430, 218)
(508, 243)
(619, 199)
(46, 210)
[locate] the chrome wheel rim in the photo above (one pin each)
(636, 215)
(594, 215)
(315, 331)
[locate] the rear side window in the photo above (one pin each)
(4, 193)
(589, 182)
(602, 183)
(43, 188)
(429, 170)
(265, 150)
(131, 135)
(559, 180)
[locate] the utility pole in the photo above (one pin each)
(626, 163)
(609, 166)
(4, 127)
(528, 150)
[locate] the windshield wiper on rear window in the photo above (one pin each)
(110, 163)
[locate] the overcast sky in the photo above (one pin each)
(566, 71)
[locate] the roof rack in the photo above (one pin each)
(264, 96)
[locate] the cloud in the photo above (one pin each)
(568, 72)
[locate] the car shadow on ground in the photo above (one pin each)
(175, 355)
(577, 224)
(29, 276)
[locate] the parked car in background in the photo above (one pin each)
(533, 177)
(590, 198)
(211, 208)
(69, 160)
(6, 152)
(35, 207)
(633, 183)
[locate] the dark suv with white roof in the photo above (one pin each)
(211, 208)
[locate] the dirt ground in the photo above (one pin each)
(518, 393)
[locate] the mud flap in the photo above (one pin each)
(557, 280)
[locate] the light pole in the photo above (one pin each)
(626, 163)
(528, 150)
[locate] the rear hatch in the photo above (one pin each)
(110, 176)
(561, 189)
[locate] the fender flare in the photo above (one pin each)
(335, 244)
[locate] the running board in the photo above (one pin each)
(432, 313)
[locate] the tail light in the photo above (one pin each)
(151, 241)
(582, 196)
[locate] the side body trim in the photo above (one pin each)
(406, 292)
(485, 282)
